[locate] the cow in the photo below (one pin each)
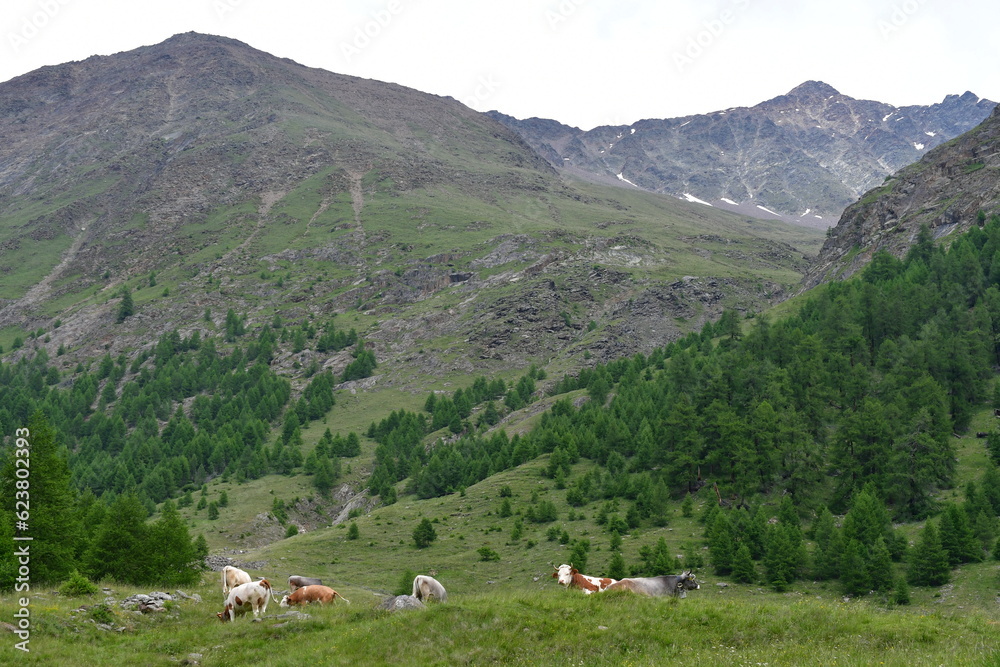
(312, 593)
(425, 587)
(231, 578)
(253, 595)
(295, 583)
(668, 584)
(570, 577)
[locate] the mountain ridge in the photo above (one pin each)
(232, 179)
(804, 155)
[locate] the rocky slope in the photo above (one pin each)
(203, 175)
(946, 190)
(803, 156)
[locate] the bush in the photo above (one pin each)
(424, 534)
(487, 554)
(78, 585)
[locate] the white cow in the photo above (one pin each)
(233, 577)
(253, 596)
(425, 587)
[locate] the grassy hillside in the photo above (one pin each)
(511, 611)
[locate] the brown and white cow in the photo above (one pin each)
(296, 582)
(250, 596)
(312, 593)
(425, 587)
(233, 577)
(668, 584)
(570, 577)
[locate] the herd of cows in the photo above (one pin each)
(244, 595)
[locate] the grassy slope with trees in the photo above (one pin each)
(847, 405)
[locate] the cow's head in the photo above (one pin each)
(227, 613)
(688, 581)
(564, 573)
(284, 602)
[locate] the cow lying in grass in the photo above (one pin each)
(668, 584)
(425, 587)
(296, 582)
(252, 596)
(314, 593)
(570, 577)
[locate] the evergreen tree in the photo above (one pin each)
(854, 569)
(175, 556)
(957, 537)
(829, 546)
(126, 307)
(121, 550)
(616, 568)
(721, 544)
(880, 572)
(744, 570)
(352, 531)
(929, 560)
(424, 534)
(52, 522)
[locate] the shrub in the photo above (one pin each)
(487, 554)
(78, 585)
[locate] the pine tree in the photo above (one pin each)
(957, 537)
(744, 570)
(120, 550)
(721, 545)
(829, 547)
(424, 534)
(175, 560)
(929, 560)
(854, 569)
(352, 531)
(52, 523)
(880, 572)
(616, 568)
(126, 308)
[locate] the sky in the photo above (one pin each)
(581, 62)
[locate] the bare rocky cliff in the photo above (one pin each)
(946, 190)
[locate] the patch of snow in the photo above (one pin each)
(621, 177)
(900, 118)
(886, 117)
(730, 201)
(818, 216)
(806, 213)
(766, 210)
(919, 147)
(695, 200)
(931, 134)
(565, 159)
(684, 123)
(633, 131)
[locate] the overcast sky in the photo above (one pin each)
(582, 62)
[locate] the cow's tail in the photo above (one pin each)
(224, 582)
(338, 595)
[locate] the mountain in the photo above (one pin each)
(947, 190)
(803, 156)
(202, 176)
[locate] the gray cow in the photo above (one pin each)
(295, 582)
(668, 584)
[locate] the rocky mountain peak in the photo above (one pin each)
(813, 89)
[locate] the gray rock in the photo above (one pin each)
(397, 602)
